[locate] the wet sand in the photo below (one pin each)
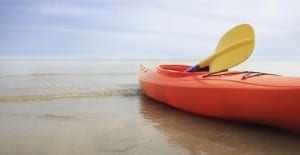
(129, 125)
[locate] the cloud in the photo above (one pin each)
(157, 28)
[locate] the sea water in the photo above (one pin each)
(47, 79)
(97, 107)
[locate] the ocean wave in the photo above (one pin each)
(96, 94)
(65, 74)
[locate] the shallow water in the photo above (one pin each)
(96, 107)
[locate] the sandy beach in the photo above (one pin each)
(96, 107)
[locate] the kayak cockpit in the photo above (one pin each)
(177, 70)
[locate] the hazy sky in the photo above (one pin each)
(143, 28)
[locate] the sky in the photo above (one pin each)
(147, 29)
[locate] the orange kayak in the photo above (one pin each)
(233, 95)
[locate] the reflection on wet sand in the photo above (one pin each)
(202, 135)
(129, 125)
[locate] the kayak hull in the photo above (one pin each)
(227, 96)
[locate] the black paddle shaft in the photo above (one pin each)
(197, 68)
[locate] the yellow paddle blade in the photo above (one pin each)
(234, 34)
(235, 47)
